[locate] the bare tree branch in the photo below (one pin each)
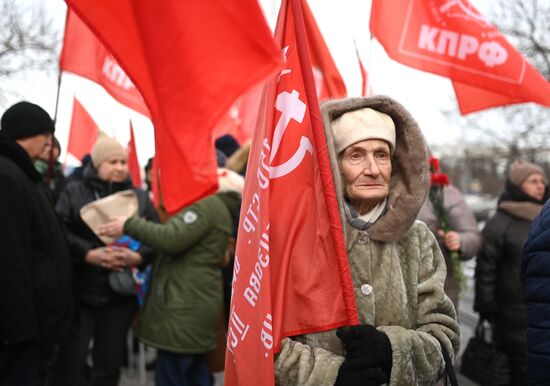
(28, 40)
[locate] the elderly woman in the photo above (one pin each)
(397, 268)
(499, 296)
(105, 316)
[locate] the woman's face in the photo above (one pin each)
(366, 167)
(534, 186)
(115, 169)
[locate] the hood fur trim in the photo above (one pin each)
(410, 177)
(521, 209)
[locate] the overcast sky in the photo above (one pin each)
(342, 21)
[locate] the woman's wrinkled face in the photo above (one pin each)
(534, 186)
(115, 169)
(366, 167)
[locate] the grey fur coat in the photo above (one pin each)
(397, 270)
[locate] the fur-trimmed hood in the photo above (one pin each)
(409, 182)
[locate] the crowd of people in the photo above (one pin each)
(89, 258)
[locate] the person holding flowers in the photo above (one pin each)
(453, 223)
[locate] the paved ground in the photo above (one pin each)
(467, 319)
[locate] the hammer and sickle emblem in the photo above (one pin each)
(291, 107)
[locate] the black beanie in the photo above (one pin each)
(227, 144)
(25, 119)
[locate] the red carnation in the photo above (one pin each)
(434, 165)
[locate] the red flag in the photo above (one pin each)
(365, 90)
(133, 163)
(328, 81)
(451, 38)
(190, 60)
(242, 118)
(291, 273)
(471, 99)
(82, 133)
(84, 55)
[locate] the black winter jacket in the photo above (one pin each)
(36, 294)
(498, 292)
(535, 277)
(92, 281)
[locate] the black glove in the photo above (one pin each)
(370, 376)
(366, 348)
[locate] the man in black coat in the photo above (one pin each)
(36, 295)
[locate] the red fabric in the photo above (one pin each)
(291, 272)
(190, 60)
(328, 81)
(84, 55)
(364, 76)
(155, 183)
(452, 39)
(82, 133)
(241, 120)
(133, 163)
(471, 99)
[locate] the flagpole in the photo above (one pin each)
(59, 76)
(323, 160)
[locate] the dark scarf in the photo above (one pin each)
(517, 203)
(514, 193)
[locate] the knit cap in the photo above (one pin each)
(24, 120)
(106, 148)
(360, 125)
(521, 169)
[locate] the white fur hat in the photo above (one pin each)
(359, 125)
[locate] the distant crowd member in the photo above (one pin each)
(182, 310)
(227, 144)
(535, 277)
(498, 296)
(36, 297)
(78, 172)
(105, 315)
(51, 169)
(463, 237)
(379, 163)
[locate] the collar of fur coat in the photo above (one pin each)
(524, 210)
(409, 182)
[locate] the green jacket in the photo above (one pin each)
(183, 305)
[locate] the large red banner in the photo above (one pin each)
(190, 60)
(291, 273)
(83, 54)
(451, 38)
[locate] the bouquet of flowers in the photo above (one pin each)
(140, 278)
(438, 181)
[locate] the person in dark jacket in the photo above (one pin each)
(36, 297)
(51, 169)
(105, 316)
(535, 278)
(498, 294)
(181, 313)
